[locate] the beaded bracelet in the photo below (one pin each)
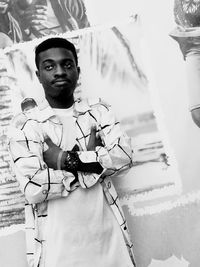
(71, 161)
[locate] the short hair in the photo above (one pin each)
(54, 43)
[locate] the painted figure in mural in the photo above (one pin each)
(24, 20)
(65, 153)
(44, 17)
(187, 34)
(9, 26)
(187, 13)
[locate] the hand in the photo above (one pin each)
(94, 139)
(50, 156)
(35, 15)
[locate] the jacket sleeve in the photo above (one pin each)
(37, 181)
(116, 142)
(115, 156)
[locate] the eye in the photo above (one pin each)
(68, 65)
(48, 67)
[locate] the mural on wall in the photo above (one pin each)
(164, 229)
(121, 80)
(111, 68)
(25, 20)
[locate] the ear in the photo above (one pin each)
(38, 75)
(79, 70)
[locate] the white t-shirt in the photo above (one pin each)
(81, 229)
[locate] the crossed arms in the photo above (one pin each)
(37, 171)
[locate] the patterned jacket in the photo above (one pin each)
(40, 183)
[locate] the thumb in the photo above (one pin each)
(93, 130)
(48, 141)
(92, 133)
(91, 142)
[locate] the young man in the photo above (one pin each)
(65, 153)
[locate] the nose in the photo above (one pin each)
(59, 71)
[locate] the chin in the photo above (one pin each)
(64, 95)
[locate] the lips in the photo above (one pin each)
(61, 81)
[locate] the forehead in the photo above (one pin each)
(55, 54)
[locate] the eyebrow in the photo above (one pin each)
(52, 60)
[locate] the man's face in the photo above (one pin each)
(58, 73)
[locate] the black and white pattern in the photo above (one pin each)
(40, 184)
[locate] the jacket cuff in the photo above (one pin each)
(101, 156)
(70, 183)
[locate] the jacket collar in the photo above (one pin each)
(45, 111)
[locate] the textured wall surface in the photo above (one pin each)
(166, 239)
(170, 235)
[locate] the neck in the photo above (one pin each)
(60, 103)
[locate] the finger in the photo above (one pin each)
(38, 19)
(41, 7)
(35, 23)
(93, 131)
(32, 12)
(48, 141)
(92, 134)
(92, 138)
(34, 7)
(42, 12)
